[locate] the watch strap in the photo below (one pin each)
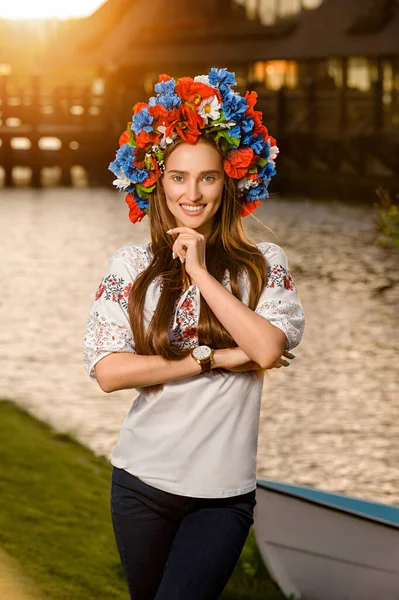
(206, 366)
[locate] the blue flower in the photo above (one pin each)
(225, 91)
(166, 95)
(124, 153)
(234, 106)
(220, 76)
(142, 120)
(266, 150)
(247, 124)
(234, 132)
(115, 168)
(259, 192)
(169, 101)
(257, 144)
(123, 160)
(267, 171)
(165, 87)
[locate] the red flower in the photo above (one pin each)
(126, 289)
(159, 112)
(124, 138)
(195, 91)
(145, 139)
(237, 162)
(187, 304)
(273, 141)
(183, 88)
(155, 166)
(100, 291)
(151, 179)
(135, 213)
(139, 106)
(189, 332)
(251, 98)
(138, 160)
(185, 121)
(202, 91)
(288, 282)
(164, 77)
(256, 115)
(248, 207)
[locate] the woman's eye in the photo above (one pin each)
(179, 178)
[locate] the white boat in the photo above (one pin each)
(322, 546)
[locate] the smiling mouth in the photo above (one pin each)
(193, 210)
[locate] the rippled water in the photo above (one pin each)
(329, 420)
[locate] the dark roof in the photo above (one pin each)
(161, 34)
(158, 32)
(339, 28)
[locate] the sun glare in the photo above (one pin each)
(47, 9)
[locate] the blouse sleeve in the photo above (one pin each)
(279, 302)
(108, 328)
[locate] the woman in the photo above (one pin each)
(194, 336)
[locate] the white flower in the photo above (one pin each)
(121, 183)
(245, 184)
(225, 124)
(209, 108)
(273, 152)
(203, 79)
(164, 139)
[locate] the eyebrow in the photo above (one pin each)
(201, 173)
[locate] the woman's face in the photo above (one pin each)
(194, 176)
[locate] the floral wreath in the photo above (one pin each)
(187, 109)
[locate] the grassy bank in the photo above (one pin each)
(55, 519)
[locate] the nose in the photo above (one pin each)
(193, 192)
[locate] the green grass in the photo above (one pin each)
(55, 517)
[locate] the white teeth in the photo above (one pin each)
(193, 208)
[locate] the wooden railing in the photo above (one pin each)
(308, 124)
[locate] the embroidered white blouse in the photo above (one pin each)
(198, 436)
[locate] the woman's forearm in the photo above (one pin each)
(125, 370)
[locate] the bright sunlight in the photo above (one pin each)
(47, 9)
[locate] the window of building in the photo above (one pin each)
(273, 74)
(334, 70)
(359, 73)
(271, 11)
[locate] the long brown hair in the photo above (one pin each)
(226, 248)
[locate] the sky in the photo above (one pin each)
(47, 9)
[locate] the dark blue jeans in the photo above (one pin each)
(176, 547)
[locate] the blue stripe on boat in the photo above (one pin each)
(367, 508)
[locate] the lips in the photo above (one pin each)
(192, 212)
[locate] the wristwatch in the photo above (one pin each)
(203, 355)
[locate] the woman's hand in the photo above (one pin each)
(235, 359)
(189, 246)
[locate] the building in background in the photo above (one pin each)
(326, 73)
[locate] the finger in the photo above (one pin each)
(182, 230)
(288, 354)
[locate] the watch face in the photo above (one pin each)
(202, 352)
